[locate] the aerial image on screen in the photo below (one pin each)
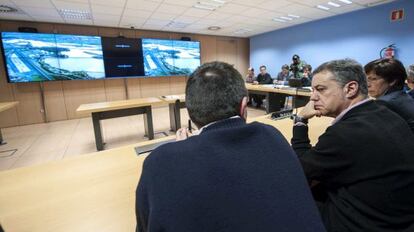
(44, 57)
(170, 57)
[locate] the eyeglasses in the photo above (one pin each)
(373, 79)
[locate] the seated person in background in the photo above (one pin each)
(262, 79)
(364, 162)
(283, 76)
(250, 78)
(386, 78)
(219, 180)
(410, 81)
(307, 75)
(297, 66)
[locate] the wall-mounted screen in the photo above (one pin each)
(122, 57)
(45, 57)
(170, 57)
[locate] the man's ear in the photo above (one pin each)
(351, 89)
(243, 108)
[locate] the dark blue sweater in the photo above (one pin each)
(232, 177)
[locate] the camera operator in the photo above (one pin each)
(297, 66)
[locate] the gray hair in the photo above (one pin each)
(346, 70)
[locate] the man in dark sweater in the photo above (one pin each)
(263, 78)
(219, 180)
(364, 162)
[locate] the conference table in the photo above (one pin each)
(3, 107)
(114, 109)
(276, 94)
(91, 192)
(175, 103)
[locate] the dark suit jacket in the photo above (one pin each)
(402, 104)
(366, 163)
(232, 177)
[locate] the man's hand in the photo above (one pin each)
(182, 134)
(255, 82)
(309, 111)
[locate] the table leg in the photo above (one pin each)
(98, 131)
(149, 129)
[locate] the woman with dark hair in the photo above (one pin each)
(386, 78)
(410, 80)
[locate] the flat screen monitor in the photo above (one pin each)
(122, 57)
(170, 57)
(31, 57)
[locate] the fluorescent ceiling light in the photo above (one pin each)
(334, 4)
(219, 1)
(212, 4)
(214, 28)
(279, 20)
(345, 1)
(242, 31)
(204, 7)
(322, 7)
(177, 24)
(293, 16)
(286, 18)
(75, 14)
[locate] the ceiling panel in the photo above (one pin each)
(254, 15)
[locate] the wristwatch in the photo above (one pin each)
(297, 119)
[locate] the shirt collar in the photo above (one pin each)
(341, 115)
(211, 123)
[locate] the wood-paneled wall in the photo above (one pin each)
(61, 98)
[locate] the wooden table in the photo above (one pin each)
(115, 109)
(276, 96)
(92, 192)
(175, 103)
(3, 107)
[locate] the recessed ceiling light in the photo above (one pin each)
(285, 18)
(293, 16)
(75, 14)
(334, 4)
(7, 9)
(322, 7)
(278, 20)
(345, 1)
(214, 28)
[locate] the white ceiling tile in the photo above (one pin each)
(238, 19)
(104, 17)
(253, 3)
(311, 3)
(157, 22)
(163, 16)
(40, 11)
(218, 16)
(174, 9)
(137, 13)
(187, 3)
(346, 8)
(306, 11)
(232, 8)
(369, 3)
(71, 5)
(105, 23)
(133, 21)
(186, 19)
(193, 12)
(46, 18)
(151, 27)
(109, 10)
(142, 5)
(34, 3)
(209, 22)
(117, 3)
(16, 17)
(77, 21)
(274, 5)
